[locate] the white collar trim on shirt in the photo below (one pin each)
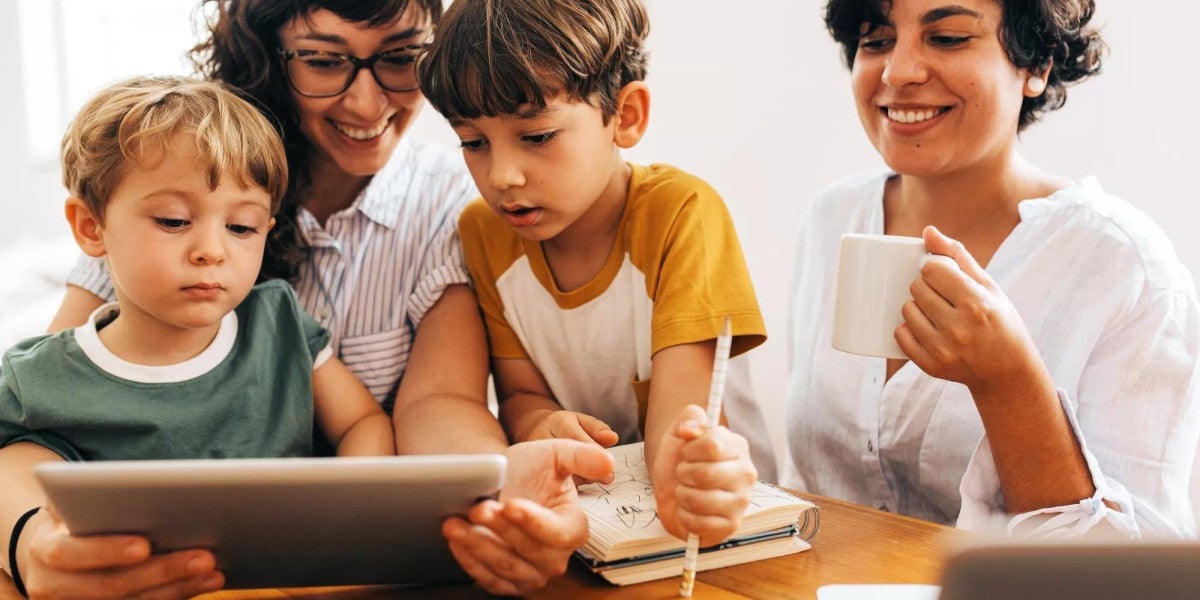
(88, 338)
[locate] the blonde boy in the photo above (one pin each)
(174, 181)
(603, 284)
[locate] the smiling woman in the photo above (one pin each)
(1041, 379)
(1013, 59)
(353, 128)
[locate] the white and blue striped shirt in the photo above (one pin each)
(376, 267)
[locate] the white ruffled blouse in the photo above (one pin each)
(1115, 317)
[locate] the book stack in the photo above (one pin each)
(628, 544)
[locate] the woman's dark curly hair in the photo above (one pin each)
(240, 50)
(1036, 35)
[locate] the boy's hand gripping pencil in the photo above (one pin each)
(716, 394)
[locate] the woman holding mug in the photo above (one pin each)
(367, 236)
(1052, 377)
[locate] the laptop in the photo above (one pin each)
(1078, 571)
(285, 522)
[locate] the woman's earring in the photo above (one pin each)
(1036, 85)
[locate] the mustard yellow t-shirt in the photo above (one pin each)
(675, 271)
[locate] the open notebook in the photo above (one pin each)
(628, 544)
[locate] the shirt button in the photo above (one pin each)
(870, 445)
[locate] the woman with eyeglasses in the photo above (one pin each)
(367, 236)
(1052, 385)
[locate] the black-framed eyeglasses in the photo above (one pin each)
(318, 74)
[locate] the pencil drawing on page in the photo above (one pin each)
(628, 502)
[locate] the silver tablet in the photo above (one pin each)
(289, 521)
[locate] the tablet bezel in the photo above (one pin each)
(286, 521)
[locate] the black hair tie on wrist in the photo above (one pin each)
(12, 550)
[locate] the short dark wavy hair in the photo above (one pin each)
(240, 50)
(1036, 35)
(495, 57)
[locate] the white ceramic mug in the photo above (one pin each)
(874, 274)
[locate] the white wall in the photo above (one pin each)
(47, 82)
(28, 197)
(753, 97)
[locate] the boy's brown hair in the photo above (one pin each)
(134, 120)
(502, 57)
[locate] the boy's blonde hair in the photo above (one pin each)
(134, 120)
(502, 57)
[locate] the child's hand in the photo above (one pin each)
(54, 564)
(571, 425)
(516, 545)
(702, 479)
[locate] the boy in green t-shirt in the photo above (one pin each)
(175, 181)
(604, 285)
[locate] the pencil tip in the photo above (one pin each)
(685, 586)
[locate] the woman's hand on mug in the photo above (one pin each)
(960, 326)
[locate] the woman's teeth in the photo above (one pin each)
(362, 134)
(912, 116)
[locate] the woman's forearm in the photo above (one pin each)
(447, 424)
(1039, 462)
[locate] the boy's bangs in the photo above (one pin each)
(478, 91)
(230, 141)
(246, 152)
(483, 68)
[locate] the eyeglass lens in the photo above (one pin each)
(328, 74)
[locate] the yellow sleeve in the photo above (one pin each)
(489, 252)
(695, 271)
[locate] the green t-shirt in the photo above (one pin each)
(249, 394)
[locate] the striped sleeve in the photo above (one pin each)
(91, 274)
(443, 263)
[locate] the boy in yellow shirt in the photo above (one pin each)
(603, 284)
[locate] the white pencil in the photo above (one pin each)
(716, 395)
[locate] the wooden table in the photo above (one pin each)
(855, 544)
